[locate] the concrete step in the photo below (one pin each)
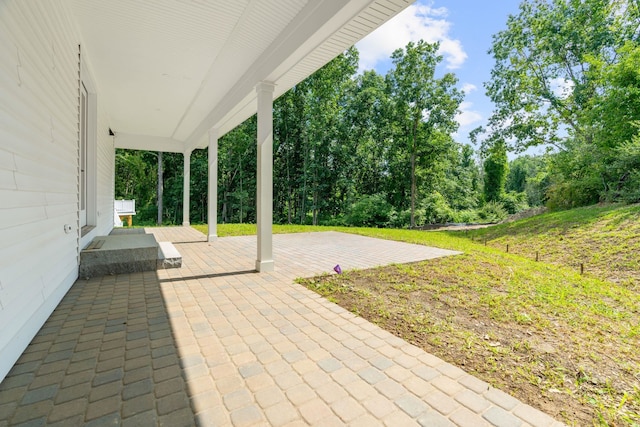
(118, 254)
(168, 256)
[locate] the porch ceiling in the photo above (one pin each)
(169, 70)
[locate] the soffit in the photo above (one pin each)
(172, 69)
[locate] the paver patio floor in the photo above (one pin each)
(215, 343)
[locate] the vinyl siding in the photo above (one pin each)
(39, 168)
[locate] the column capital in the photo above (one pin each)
(214, 133)
(265, 87)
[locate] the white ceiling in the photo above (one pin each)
(169, 70)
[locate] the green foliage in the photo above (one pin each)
(237, 156)
(370, 211)
(514, 202)
(437, 209)
(402, 219)
(566, 75)
(576, 178)
(424, 109)
(135, 178)
(616, 106)
(173, 187)
(529, 174)
(495, 173)
(626, 166)
(542, 82)
(468, 216)
(492, 212)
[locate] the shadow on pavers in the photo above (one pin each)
(106, 356)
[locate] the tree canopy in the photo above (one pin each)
(567, 76)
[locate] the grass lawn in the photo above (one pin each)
(566, 343)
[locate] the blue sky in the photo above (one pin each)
(464, 29)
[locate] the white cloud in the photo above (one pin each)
(561, 87)
(467, 88)
(412, 24)
(467, 116)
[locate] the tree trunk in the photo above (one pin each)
(413, 174)
(413, 190)
(314, 210)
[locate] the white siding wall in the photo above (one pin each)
(39, 168)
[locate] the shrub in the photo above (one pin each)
(437, 209)
(467, 216)
(492, 212)
(572, 194)
(514, 202)
(402, 219)
(370, 211)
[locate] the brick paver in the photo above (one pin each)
(215, 343)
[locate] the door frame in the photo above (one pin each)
(87, 190)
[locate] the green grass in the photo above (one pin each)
(564, 342)
(604, 239)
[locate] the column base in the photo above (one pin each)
(265, 265)
(212, 238)
(186, 224)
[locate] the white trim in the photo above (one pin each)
(83, 145)
(148, 143)
(92, 144)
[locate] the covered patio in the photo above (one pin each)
(216, 343)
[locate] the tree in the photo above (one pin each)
(529, 175)
(368, 124)
(327, 154)
(495, 173)
(542, 82)
(313, 145)
(135, 178)
(461, 178)
(237, 173)
(614, 110)
(566, 74)
(425, 108)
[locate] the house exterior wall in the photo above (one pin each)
(39, 168)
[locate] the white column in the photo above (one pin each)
(265, 176)
(212, 198)
(187, 189)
